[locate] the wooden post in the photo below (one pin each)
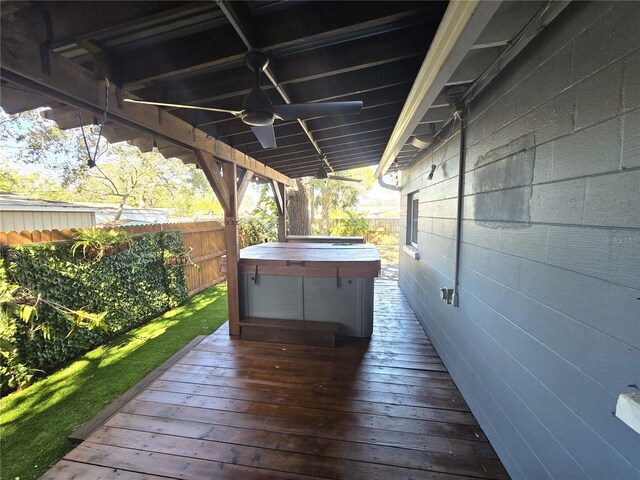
(280, 198)
(229, 172)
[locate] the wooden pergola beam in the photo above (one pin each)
(244, 184)
(74, 85)
(211, 170)
(15, 100)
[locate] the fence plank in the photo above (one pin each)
(380, 230)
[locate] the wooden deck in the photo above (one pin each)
(233, 409)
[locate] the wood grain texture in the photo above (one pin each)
(76, 86)
(230, 175)
(311, 252)
(323, 239)
(384, 408)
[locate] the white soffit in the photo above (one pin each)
(462, 24)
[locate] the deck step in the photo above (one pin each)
(319, 334)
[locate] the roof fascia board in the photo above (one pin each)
(45, 208)
(462, 24)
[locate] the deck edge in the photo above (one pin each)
(83, 431)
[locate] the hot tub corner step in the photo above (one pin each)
(318, 334)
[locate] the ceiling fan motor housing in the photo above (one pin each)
(256, 108)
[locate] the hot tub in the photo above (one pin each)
(324, 282)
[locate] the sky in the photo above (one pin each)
(377, 199)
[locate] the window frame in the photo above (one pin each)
(413, 214)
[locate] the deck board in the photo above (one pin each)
(384, 409)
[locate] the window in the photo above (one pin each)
(412, 219)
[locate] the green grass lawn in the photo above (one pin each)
(389, 254)
(35, 423)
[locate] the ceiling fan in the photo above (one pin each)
(258, 112)
(322, 174)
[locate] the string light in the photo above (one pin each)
(91, 159)
(95, 126)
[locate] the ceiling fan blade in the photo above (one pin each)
(235, 113)
(321, 174)
(266, 136)
(295, 111)
(344, 179)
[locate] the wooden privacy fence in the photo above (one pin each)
(205, 239)
(380, 230)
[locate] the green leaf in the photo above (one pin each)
(26, 312)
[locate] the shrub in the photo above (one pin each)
(131, 286)
(262, 225)
(253, 230)
(353, 225)
(356, 225)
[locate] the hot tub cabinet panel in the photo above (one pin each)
(310, 299)
(311, 282)
(271, 296)
(350, 304)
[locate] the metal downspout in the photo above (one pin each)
(462, 115)
(386, 185)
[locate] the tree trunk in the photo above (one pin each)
(325, 204)
(123, 201)
(298, 210)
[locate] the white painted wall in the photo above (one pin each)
(18, 220)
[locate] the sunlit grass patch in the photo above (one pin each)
(35, 423)
(389, 254)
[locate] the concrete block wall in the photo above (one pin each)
(547, 333)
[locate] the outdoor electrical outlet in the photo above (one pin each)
(447, 295)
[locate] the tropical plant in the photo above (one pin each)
(262, 224)
(353, 225)
(332, 197)
(19, 306)
(96, 242)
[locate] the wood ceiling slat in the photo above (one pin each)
(358, 139)
(310, 170)
(383, 96)
(168, 59)
(189, 53)
(331, 152)
(316, 25)
(291, 152)
(74, 22)
(321, 64)
(329, 22)
(237, 127)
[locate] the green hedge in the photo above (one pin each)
(132, 286)
(252, 230)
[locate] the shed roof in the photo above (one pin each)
(12, 202)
